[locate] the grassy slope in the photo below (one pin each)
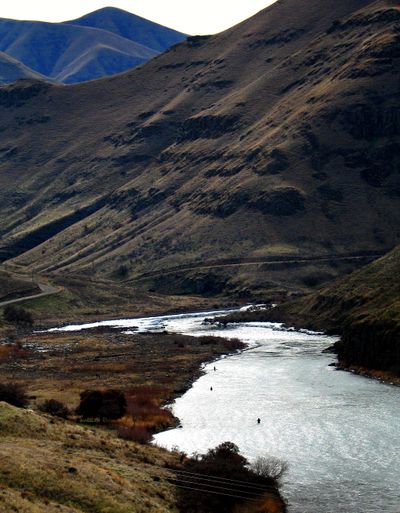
(152, 173)
(366, 309)
(81, 299)
(369, 295)
(51, 465)
(363, 307)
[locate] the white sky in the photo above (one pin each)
(190, 16)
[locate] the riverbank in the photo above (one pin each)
(365, 348)
(381, 376)
(60, 365)
(152, 369)
(81, 299)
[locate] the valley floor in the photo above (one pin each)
(49, 464)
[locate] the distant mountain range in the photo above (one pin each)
(102, 43)
(11, 69)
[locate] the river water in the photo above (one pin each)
(338, 432)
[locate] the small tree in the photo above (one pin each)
(18, 316)
(13, 393)
(113, 405)
(97, 404)
(122, 271)
(90, 404)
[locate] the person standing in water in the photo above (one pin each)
(258, 421)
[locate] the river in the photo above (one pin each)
(338, 432)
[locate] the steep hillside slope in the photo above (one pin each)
(371, 294)
(12, 70)
(365, 308)
(277, 138)
(69, 53)
(130, 26)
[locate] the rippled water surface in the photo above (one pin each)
(339, 432)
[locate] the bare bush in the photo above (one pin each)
(235, 484)
(55, 408)
(13, 393)
(269, 467)
(136, 434)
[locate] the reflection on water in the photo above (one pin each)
(339, 432)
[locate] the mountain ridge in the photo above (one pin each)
(131, 26)
(11, 70)
(69, 53)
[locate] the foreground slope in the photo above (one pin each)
(52, 465)
(130, 26)
(278, 137)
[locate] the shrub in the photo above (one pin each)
(208, 341)
(55, 408)
(17, 315)
(122, 271)
(144, 408)
(103, 405)
(136, 434)
(269, 467)
(10, 352)
(14, 393)
(222, 480)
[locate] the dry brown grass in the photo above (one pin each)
(48, 464)
(380, 375)
(12, 352)
(151, 368)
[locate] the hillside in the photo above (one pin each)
(52, 465)
(137, 29)
(278, 138)
(365, 308)
(13, 286)
(369, 295)
(12, 70)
